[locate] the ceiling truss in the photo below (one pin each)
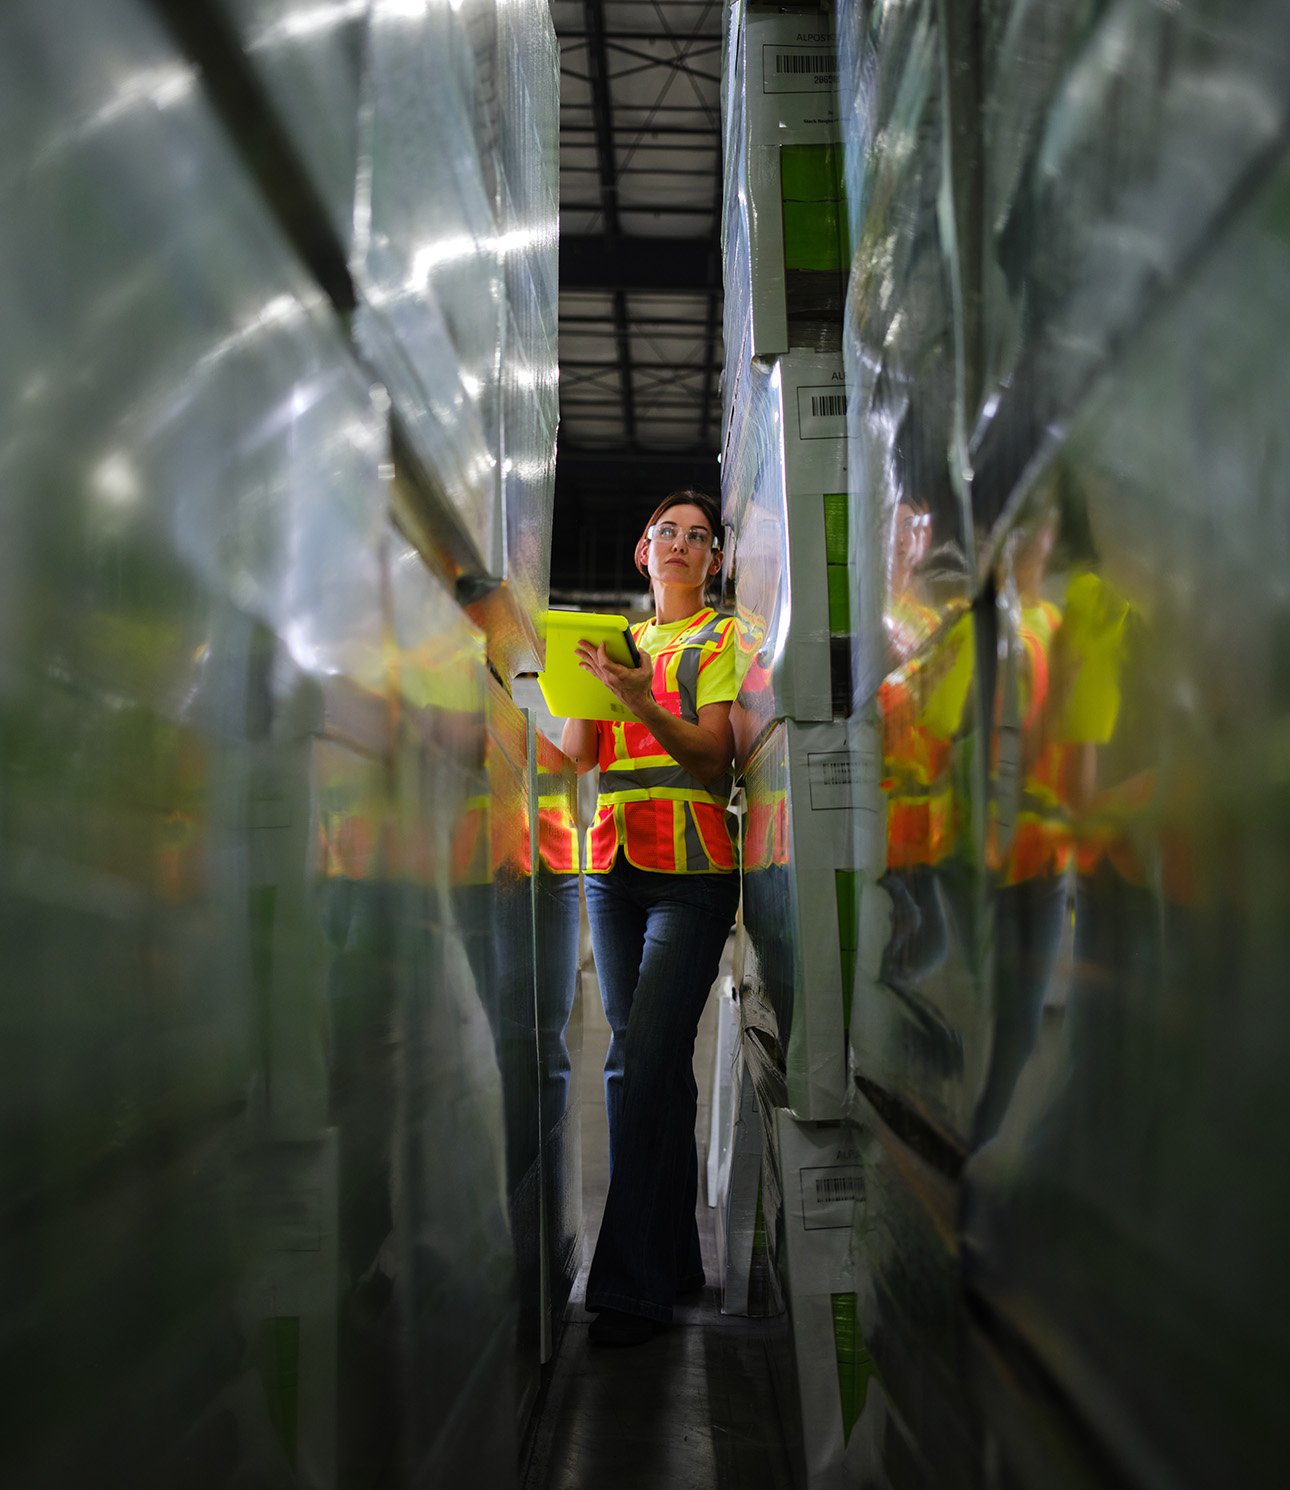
(640, 274)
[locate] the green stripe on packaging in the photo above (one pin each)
(839, 581)
(855, 1364)
(811, 173)
(277, 1351)
(814, 236)
(837, 526)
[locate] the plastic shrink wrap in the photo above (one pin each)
(1065, 344)
(555, 849)
(783, 195)
(455, 258)
(253, 1151)
(308, 56)
(1132, 1119)
(785, 507)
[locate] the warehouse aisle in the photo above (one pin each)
(695, 1406)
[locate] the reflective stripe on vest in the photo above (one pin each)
(1041, 840)
(558, 837)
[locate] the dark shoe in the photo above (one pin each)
(691, 1288)
(613, 1327)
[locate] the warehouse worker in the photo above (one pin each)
(661, 896)
(1030, 844)
(916, 759)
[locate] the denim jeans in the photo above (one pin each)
(658, 940)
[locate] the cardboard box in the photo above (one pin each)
(786, 233)
(784, 492)
(823, 1188)
(815, 827)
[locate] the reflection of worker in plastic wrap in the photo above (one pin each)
(922, 702)
(556, 908)
(492, 867)
(907, 618)
(1029, 848)
(491, 895)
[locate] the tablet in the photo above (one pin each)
(570, 692)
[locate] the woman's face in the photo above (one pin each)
(676, 561)
(911, 535)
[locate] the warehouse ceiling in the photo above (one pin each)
(640, 277)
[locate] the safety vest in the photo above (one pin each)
(766, 831)
(922, 708)
(557, 834)
(1042, 841)
(651, 807)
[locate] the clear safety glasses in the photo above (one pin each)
(669, 533)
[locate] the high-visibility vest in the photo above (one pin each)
(1042, 838)
(662, 817)
(557, 835)
(922, 706)
(766, 831)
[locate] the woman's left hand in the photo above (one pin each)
(631, 686)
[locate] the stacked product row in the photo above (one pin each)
(786, 507)
(290, 1183)
(784, 474)
(1066, 322)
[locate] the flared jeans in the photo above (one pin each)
(657, 940)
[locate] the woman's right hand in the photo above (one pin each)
(633, 687)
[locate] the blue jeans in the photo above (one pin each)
(658, 940)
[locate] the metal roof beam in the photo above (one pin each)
(657, 209)
(710, 353)
(709, 39)
(603, 111)
(590, 262)
(589, 464)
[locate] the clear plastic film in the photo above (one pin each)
(457, 266)
(492, 894)
(805, 786)
(1108, 162)
(784, 235)
(784, 503)
(429, 260)
(910, 551)
(555, 855)
(254, 1147)
(1141, 877)
(309, 56)
(1066, 320)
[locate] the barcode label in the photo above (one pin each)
(830, 1196)
(832, 781)
(810, 62)
(822, 413)
(798, 70)
(837, 1187)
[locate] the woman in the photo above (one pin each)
(661, 896)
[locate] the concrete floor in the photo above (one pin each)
(693, 1407)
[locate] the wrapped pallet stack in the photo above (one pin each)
(1053, 747)
(1064, 346)
(290, 1173)
(786, 507)
(784, 476)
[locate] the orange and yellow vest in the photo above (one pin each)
(922, 705)
(557, 827)
(1042, 840)
(650, 806)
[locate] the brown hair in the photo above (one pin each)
(709, 506)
